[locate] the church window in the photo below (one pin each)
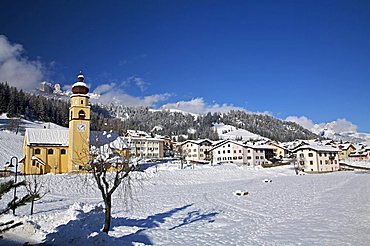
(81, 114)
(37, 151)
(50, 151)
(82, 101)
(33, 162)
(63, 151)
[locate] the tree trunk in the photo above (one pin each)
(107, 216)
(32, 206)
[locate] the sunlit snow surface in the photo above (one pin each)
(197, 207)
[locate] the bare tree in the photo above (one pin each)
(110, 166)
(14, 124)
(35, 188)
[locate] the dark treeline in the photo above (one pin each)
(118, 118)
(17, 103)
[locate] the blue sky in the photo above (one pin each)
(288, 58)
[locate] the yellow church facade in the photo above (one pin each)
(61, 150)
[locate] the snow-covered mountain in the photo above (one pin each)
(339, 130)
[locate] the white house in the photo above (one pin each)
(237, 152)
(196, 150)
(316, 158)
(145, 147)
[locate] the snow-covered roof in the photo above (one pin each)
(198, 142)
(47, 136)
(263, 146)
(345, 146)
(79, 84)
(317, 147)
(137, 133)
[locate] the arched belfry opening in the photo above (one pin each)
(81, 115)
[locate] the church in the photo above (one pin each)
(61, 150)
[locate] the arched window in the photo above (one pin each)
(63, 152)
(37, 151)
(81, 115)
(50, 151)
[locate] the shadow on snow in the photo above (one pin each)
(85, 230)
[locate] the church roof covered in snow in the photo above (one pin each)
(57, 137)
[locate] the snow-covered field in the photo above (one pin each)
(197, 207)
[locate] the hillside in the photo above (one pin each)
(167, 122)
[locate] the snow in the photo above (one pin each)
(231, 132)
(318, 147)
(11, 144)
(79, 84)
(47, 136)
(197, 207)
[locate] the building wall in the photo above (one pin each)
(343, 155)
(79, 133)
(228, 152)
(52, 156)
(146, 147)
(195, 151)
(317, 161)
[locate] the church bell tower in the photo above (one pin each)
(79, 126)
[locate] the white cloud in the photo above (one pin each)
(341, 125)
(198, 106)
(17, 69)
(337, 126)
(302, 121)
(138, 81)
(104, 88)
(110, 93)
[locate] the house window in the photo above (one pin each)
(249, 151)
(37, 151)
(228, 151)
(248, 157)
(311, 162)
(50, 151)
(320, 154)
(240, 151)
(63, 152)
(240, 157)
(257, 157)
(301, 155)
(310, 155)
(219, 152)
(234, 151)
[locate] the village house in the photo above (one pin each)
(196, 150)
(316, 158)
(145, 147)
(345, 150)
(359, 155)
(279, 150)
(237, 152)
